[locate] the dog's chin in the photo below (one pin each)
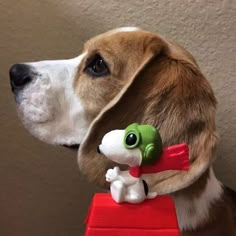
(50, 129)
(48, 117)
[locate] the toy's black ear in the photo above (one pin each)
(149, 155)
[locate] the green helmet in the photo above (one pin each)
(147, 139)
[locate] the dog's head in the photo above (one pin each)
(123, 76)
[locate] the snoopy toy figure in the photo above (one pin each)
(139, 147)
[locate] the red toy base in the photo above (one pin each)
(131, 232)
(154, 217)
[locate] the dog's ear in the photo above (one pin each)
(167, 90)
(123, 110)
(184, 111)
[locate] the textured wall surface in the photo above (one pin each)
(41, 190)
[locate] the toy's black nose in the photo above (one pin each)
(98, 150)
(19, 76)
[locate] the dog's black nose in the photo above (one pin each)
(98, 150)
(19, 76)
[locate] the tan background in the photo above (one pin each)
(41, 192)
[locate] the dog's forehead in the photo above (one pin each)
(119, 39)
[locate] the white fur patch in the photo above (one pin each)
(113, 148)
(124, 29)
(48, 105)
(127, 29)
(194, 212)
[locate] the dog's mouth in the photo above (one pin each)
(74, 147)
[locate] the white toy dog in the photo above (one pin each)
(139, 147)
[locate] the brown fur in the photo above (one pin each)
(222, 218)
(156, 82)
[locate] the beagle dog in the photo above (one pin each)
(124, 76)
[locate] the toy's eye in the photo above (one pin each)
(131, 139)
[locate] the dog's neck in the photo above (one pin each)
(193, 204)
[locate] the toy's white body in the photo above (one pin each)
(139, 146)
(126, 188)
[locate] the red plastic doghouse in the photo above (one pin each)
(155, 217)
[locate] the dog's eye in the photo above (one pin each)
(97, 66)
(131, 139)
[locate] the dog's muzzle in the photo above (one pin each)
(20, 75)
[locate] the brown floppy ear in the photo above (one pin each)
(123, 110)
(169, 92)
(185, 112)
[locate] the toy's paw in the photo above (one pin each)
(112, 174)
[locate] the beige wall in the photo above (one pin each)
(41, 192)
